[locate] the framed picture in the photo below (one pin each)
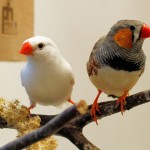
(16, 25)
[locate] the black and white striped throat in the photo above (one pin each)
(120, 59)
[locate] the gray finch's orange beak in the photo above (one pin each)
(145, 33)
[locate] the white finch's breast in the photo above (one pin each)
(114, 82)
(48, 86)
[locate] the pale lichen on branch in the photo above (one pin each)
(17, 116)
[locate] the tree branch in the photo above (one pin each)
(73, 129)
(109, 108)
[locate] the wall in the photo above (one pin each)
(75, 26)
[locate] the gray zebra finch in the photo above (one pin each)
(117, 61)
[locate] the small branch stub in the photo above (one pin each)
(82, 107)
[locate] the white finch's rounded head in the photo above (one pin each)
(37, 45)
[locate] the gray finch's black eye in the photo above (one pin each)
(40, 45)
(132, 28)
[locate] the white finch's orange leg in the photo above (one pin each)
(31, 107)
(122, 101)
(95, 107)
(71, 101)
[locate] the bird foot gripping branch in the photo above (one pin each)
(122, 101)
(31, 107)
(95, 107)
(71, 101)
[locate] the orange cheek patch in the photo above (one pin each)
(123, 38)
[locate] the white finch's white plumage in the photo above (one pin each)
(47, 76)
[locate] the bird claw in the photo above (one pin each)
(122, 102)
(31, 107)
(71, 101)
(93, 111)
(95, 107)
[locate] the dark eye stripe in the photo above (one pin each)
(132, 28)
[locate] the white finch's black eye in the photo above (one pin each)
(132, 28)
(40, 45)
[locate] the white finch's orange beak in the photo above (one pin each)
(145, 33)
(26, 49)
